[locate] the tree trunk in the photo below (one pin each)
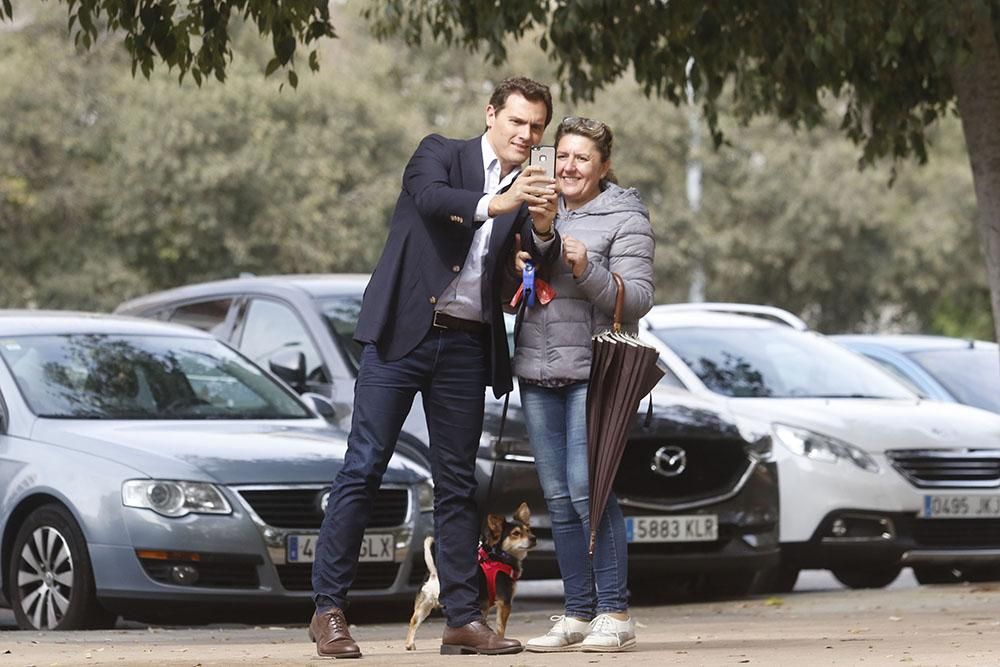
(977, 84)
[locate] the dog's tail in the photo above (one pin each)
(429, 555)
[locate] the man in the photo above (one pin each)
(431, 322)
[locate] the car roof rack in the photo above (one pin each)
(768, 312)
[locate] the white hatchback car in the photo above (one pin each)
(872, 478)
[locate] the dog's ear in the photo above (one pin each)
(523, 514)
(494, 528)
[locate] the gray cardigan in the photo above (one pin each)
(554, 340)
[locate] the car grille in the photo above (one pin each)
(299, 508)
(213, 574)
(713, 468)
(371, 576)
(418, 572)
(977, 468)
(957, 533)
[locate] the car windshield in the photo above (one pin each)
(972, 375)
(341, 315)
(98, 376)
(777, 362)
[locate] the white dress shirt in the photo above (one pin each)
(463, 297)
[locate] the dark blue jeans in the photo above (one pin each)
(557, 425)
(448, 368)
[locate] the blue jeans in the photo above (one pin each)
(557, 425)
(448, 368)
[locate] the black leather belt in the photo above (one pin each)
(446, 321)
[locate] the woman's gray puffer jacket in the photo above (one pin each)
(554, 341)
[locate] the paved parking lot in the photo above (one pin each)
(819, 624)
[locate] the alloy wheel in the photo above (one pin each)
(45, 577)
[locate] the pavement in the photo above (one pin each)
(903, 625)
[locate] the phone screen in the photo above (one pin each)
(545, 157)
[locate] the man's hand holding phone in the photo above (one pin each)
(532, 187)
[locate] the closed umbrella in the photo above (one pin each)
(622, 371)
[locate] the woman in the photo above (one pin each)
(604, 229)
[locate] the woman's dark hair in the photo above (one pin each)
(528, 89)
(594, 130)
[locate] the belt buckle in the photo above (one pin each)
(435, 322)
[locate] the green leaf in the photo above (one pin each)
(272, 65)
(293, 78)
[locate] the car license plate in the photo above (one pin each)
(961, 507)
(375, 548)
(681, 528)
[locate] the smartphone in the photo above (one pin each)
(544, 157)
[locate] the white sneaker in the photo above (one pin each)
(565, 635)
(609, 634)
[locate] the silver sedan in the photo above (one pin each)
(147, 468)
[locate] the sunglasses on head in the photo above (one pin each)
(588, 124)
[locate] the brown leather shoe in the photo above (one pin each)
(477, 637)
(333, 638)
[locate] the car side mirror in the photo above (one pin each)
(290, 366)
(321, 404)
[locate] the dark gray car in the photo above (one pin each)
(700, 500)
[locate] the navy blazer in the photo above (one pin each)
(429, 238)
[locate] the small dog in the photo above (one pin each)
(502, 548)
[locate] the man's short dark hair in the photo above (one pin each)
(527, 88)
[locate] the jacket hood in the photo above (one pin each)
(251, 452)
(614, 200)
(877, 425)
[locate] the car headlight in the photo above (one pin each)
(425, 496)
(174, 499)
(757, 436)
(822, 447)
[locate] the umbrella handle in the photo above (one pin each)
(619, 303)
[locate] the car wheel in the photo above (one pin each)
(661, 590)
(52, 584)
(725, 585)
(781, 579)
(873, 577)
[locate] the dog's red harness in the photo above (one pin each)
(491, 567)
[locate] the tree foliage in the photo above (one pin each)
(110, 186)
(890, 61)
(195, 36)
(898, 67)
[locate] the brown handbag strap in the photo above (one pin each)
(619, 303)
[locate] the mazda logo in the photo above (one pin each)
(669, 461)
(324, 499)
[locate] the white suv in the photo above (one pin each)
(872, 478)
